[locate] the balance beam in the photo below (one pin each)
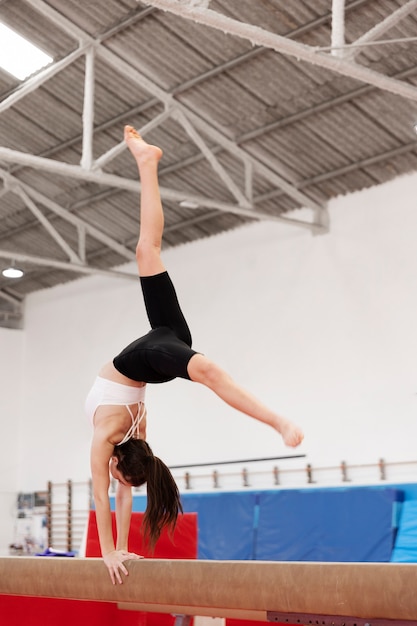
(374, 592)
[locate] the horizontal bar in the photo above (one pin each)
(268, 458)
(360, 590)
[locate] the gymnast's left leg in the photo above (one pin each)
(204, 371)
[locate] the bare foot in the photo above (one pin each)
(291, 434)
(142, 151)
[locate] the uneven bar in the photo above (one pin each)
(224, 588)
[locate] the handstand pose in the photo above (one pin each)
(116, 401)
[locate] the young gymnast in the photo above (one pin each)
(115, 403)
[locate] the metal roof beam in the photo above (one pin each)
(389, 22)
(60, 20)
(257, 50)
(7, 296)
(66, 215)
(111, 180)
(36, 81)
(88, 111)
(301, 52)
(74, 258)
(211, 158)
(263, 169)
(62, 265)
(338, 26)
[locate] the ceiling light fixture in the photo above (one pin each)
(12, 271)
(189, 204)
(18, 56)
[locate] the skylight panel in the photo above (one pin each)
(18, 56)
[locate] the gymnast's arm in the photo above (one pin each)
(124, 502)
(101, 453)
(123, 515)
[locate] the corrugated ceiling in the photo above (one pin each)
(251, 128)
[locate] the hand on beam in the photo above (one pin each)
(114, 563)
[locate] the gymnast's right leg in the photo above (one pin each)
(148, 249)
(159, 294)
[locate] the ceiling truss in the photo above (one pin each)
(340, 58)
(259, 36)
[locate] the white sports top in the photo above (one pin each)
(106, 392)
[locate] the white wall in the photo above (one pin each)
(11, 358)
(321, 328)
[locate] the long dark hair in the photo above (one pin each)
(139, 465)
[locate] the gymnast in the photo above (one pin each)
(115, 404)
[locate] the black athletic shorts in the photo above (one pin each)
(162, 354)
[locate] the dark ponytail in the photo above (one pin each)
(138, 465)
(163, 502)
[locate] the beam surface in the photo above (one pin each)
(360, 590)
